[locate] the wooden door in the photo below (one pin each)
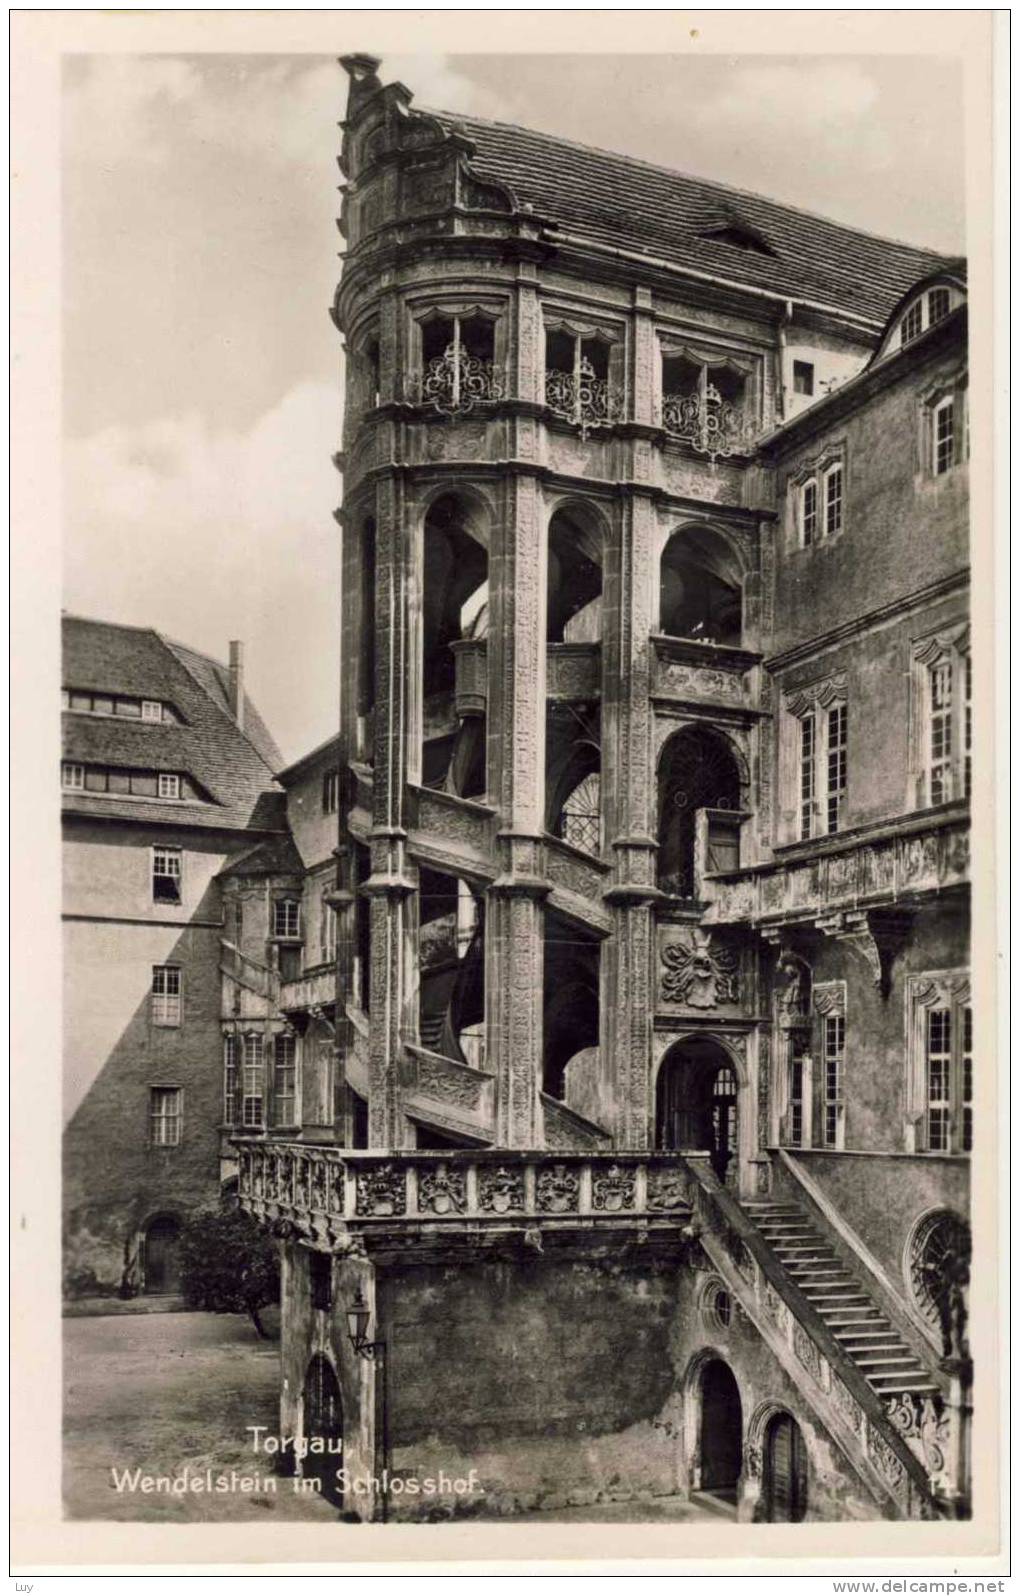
(161, 1271)
(785, 1471)
(721, 1430)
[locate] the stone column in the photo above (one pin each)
(391, 882)
(628, 959)
(514, 915)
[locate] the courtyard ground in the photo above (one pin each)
(174, 1393)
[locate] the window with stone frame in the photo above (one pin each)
(815, 760)
(285, 1079)
(330, 792)
(287, 918)
(230, 1104)
(166, 1115)
(583, 374)
(327, 927)
(940, 1063)
(829, 1085)
(252, 1082)
(945, 426)
(457, 358)
(817, 499)
(943, 718)
(166, 994)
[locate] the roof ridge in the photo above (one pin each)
(671, 171)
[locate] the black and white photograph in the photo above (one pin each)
(521, 760)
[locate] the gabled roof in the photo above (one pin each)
(235, 767)
(634, 205)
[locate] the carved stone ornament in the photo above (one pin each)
(925, 1427)
(667, 1189)
(613, 1188)
(442, 1190)
(752, 1460)
(380, 1191)
(699, 972)
(500, 1189)
(792, 989)
(876, 935)
(556, 1190)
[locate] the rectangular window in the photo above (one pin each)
(808, 514)
(797, 1100)
(285, 1081)
(166, 875)
(967, 1080)
(165, 1104)
(320, 1280)
(81, 701)
(912, 323)
(835, 1045)
(330, 792)
(72, 777)
(967, 725)
(102, 706)
(229, 1080)
(940, 731)
(803, 377)
(166, 994)
(95, 780)
(129, 707)
(807, 776)
(143, 784)
(252, 1083)
(836, 766)
(938, 1070)
(286, 917)
(938, 305)
(119, 781)
(151, 709)
(943, 451)
(327, 931)
(169, 785)
(833, 501)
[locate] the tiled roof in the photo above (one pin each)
(277, 856)
(234, 767)
(636, 206)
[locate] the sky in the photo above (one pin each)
(201, 373)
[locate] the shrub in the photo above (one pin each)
(229, 1264)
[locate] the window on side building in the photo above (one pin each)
(166, 1104)
(166, 875)
(166, 994)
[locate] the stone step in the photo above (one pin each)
(862, 1342)
(891, 1358)
(890, 1384)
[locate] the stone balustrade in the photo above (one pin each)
(846, 874)
(315, 989)
(324, 1193)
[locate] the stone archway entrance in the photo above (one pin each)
(784, 1487)
(696, 1103)
(721, 1443)
(160, 1265)
(323, 1423)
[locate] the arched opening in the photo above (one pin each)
(785, 1472)
(697, 771)
(573, 580)
(323, 1425)
(570, 1010)
(722, 1426)
(700, 588)
(697, 1103)
(574, 775)
(451, 955)
(455, 573)
(160, 1262)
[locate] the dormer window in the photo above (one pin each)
(927, 310)
(458, 362)
(913, 323)
(938, 305)
(578, 385)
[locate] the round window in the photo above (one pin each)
(939, 1261)
(717, 1305)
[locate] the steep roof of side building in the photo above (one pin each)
(234, 767)
(631, 204)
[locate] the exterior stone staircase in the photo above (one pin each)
(891, 1369)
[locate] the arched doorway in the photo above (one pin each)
(160, 1266)
(323, 1422)
(722, 1428)
(784, 1487)
(697, 770)
(697, 1103)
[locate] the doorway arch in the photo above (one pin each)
(697, 1097)
(323, 1420)
(785, 1471)
(720, 1444)
(160, 1261)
